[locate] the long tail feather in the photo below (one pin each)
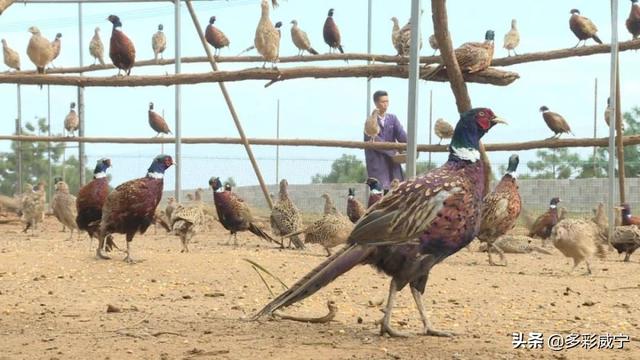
(597, 39)
(339, 263)
(297, 242)
(258, 232)
(312, 51)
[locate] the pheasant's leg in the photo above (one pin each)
(128, 258)
(428, 329)
(328, 251)
(503, 260)
(99, 253)
(577, 43)
(626, 257)
(588, 267)
(385, 327)
(514, 52)
(183, 240)
(235, 239)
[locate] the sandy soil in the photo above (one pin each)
(54, 296)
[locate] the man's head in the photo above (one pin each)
(381, 100)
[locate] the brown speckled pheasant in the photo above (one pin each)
(158, 43)
(285, 216)
(267, 37)
(64, 206)
(39, 50)
(157, 122)
(71, 121)
(355, 209)
(414, 228)
(500, 210)
(96, 47)
(626, 239)
(473, 56)
(443, 129)
(301, 40)
(583, 28)
(11, 57)
(56, 45)
(130, 207)
(233, 213)
(186, 221)
(215, 37)
(512, 38)
(121, 50)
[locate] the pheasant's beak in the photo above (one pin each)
(498, 120)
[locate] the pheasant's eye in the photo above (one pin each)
(482, 113)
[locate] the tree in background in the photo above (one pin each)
(35, 165)
(554, 164)
(346, 169)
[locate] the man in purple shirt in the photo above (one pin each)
(379, 162)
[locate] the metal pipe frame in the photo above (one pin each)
(613, 117)
(81, 122)
(412, 118)
(178, 106)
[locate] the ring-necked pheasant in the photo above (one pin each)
(583, 28)
(626, 238)
(633, 21)
(331, 33)
(215, 37)
(555, 122)
(157, 122)
(56, 45)
(415, 227)
(233, 213)
(91, 198)
(131, 207)
(375, 191)
(544, 223)
(285, 216)
(121, 50)
(355, 209)
(500, 210)
(71, 121)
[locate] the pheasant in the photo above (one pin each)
(158, 43)
(371, 126)
(121, 50)
(443, 129)
(545, 222)
(402, 37)
(414, 228)
(626, 238)
(473, 57)
(71, 121)
(91, 198)
(583, 28)
(171, 205)
(11, 57)
(186, 221)
(500, 210)
(131, 206)
(56, 45)
(633, 21)
(331, 230)
(285, 216)
(627, 218)
(375, 191)
(300, 39)
(608, 115)
(433, 42)
(331, 33)
(64, 207)
(33, 203)
(157, 122)
(555, 122)
(512, 38)
(39, 50)
(355, 209)
(233, 213)
(267, 38)
(215, 37)
(96, 48)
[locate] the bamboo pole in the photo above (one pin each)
(232, 109)
(490, 76)
(373, 58)
(519, 146)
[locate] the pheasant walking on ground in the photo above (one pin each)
(90, 200)
(285, 217)
(64, 207)
(355, 209)
(625, 238)
(417, 226)
(544, 223)
(186, 221)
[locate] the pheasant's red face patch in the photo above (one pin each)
(483, 118)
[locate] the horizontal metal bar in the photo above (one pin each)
(95, 1)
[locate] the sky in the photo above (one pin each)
(309, 108)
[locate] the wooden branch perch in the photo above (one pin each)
(489, 76)
(519, 146)
(389, 59)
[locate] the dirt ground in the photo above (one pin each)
(54, 296)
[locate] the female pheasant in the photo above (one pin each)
(131, 206)
(413, 228)
(500, 209)
(121, 50)
(64, 207)
(285, 216)
(71, 121)
(158, 43)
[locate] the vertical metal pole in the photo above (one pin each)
(430, 122)
(412, 128)
(178, 100)
(369, 29)
(278, 146)
(19, 146)
(613, 117)
(50, 179)
(81, 153)
(595, 123)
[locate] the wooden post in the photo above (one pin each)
(234, 115)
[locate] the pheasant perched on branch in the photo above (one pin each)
(267, 38)
(39, 50)
(121, 50)
(583, 28)
(96, 48)
(215, 37)
(414, 228)
(56, 45)
(285, 216)
(555, 122)
(64, 207)
(131, 206)
(355, 209)
(545, 222)
(157, 122)
(443, 129)
(233, 213)
(474, 56)
(401, 37)
(91, 198)
(331, 230)
(300, 39)
(633, 21)
(71, 121)
(500, 209)
(331, 33)
(512, 38)
(158, 43)
(11, 57)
